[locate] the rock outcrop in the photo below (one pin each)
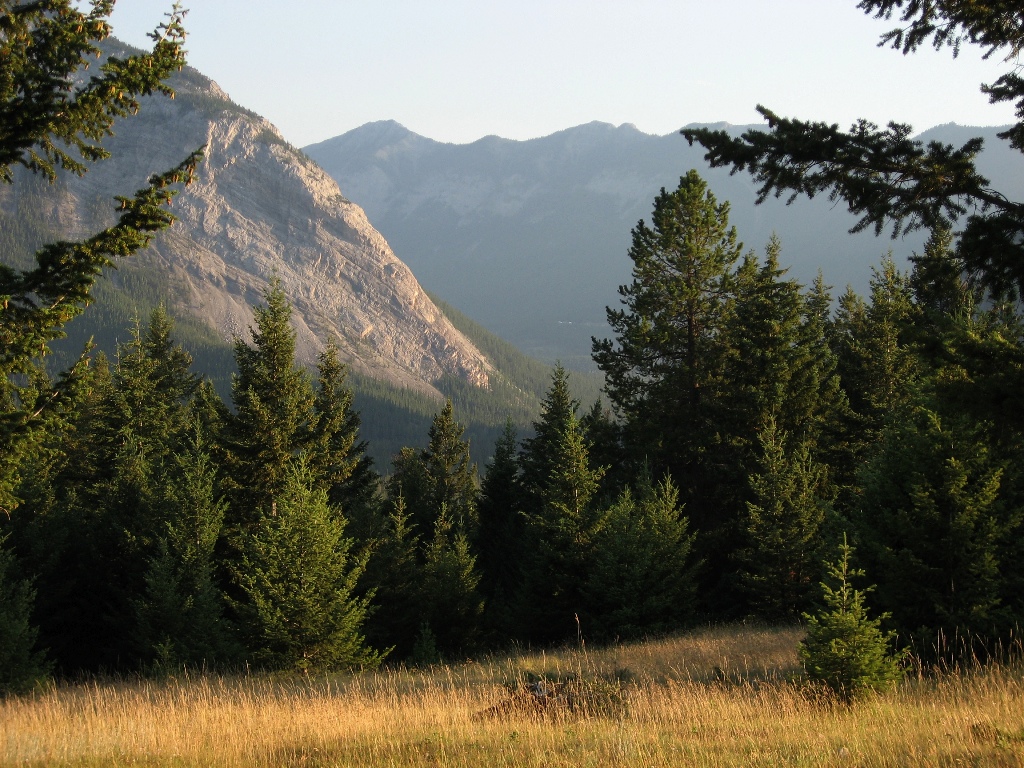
(259, 209)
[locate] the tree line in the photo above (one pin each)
(750, 427)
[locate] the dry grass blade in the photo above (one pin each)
(717, 697)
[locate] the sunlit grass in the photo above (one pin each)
(716, 697)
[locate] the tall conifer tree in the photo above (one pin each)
(663, 370)
(273, 408)
(500, 537)
(563, 523)
(336, 455)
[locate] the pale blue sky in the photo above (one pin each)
(457, 70)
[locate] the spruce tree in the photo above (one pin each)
(780, 561)
(500, 537)
(450, 601)
(394, 576)
(642, 579)
(336, 455)
(539, 451)
(273, 402)
(64, 540)
(561, 535)
(451, 474)
(298, 579)
(604, 443)
(934, 525)
(845, 649)
(180, 614)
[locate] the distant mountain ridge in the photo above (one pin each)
(530, 238)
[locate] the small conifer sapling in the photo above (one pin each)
(845, 649)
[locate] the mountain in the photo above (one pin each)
(530, 238)
(258, 209)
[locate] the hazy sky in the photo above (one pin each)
(457, 70)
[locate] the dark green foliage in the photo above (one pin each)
(410, 483)
(423, 558)
(180, 615)
(845, 649)
(642, 577)
(934, 525)
(273, 402)
(779, 565)
(664, 368)
(424, 650)
(451, 475)
(450, 602)
(561, 518)
(605, 444)
(22, 664)
(709, 348)
(938, 280)
(394, 575)
(298, 577)
(779, 364)
(884, 176)
(439, 477)
(501, 528)
(540, 451)
(336, 455)
(45, 119)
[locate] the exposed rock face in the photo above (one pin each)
(257, 209)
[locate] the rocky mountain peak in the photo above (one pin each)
(260, 209)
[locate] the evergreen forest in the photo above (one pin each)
(750, 427)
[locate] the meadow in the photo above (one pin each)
(730, 696)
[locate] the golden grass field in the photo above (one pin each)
(715, 697)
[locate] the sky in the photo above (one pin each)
(458, 70)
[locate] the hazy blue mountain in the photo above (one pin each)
(530, 237)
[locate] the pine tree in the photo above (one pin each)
(642, 579)
(664, 368)
(451, 605)
(780, 561)
(336, 455)
(298, 577)
(500, 537)
(273, 402)
(845, 649)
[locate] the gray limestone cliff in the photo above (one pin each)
(259, 209)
